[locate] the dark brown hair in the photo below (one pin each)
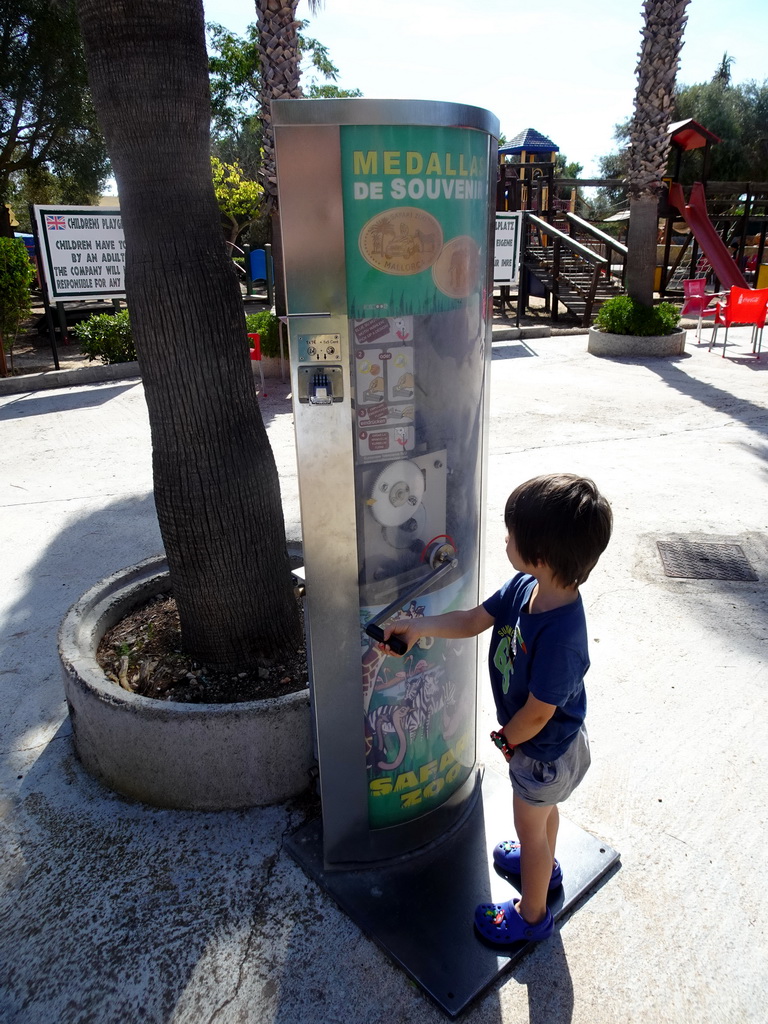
(561, 520)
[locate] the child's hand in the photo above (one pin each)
(405, 631)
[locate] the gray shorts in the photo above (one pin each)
(544, 783)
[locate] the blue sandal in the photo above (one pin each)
(507, 857)
(501, 925)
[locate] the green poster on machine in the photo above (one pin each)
(415, 217)
(416, 234)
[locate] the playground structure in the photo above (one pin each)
(716, 232)
(725, 240)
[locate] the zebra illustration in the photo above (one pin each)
(425, 695)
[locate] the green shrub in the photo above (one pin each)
(623, 315)
(106, 336)
(16, 275)
(266, 325)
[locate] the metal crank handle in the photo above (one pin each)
(395, 643)
(444, 557)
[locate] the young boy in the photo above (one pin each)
(557, 528)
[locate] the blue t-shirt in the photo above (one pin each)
(544, 654)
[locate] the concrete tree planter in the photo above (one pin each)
(601, 343)
(194, 756)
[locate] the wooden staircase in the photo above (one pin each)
(574, 283)
(580, 273)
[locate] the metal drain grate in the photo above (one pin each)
(697, 560)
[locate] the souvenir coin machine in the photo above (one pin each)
(386, 218)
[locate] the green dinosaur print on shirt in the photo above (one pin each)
(504, 657)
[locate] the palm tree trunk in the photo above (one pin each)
(280, 79)
(216, 485)
(280, 74)
(662, 40)
(642, 238)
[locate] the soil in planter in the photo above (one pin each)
(143, 654)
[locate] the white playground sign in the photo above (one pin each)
(81, 252)
(506, 253)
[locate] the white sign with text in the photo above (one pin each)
(506, 253)
(81, 252)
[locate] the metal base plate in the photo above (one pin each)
(420, 910)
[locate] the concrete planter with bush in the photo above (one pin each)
(625, 327)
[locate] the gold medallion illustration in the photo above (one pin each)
(403, 240)
(456, 268)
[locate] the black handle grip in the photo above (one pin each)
(395, 643)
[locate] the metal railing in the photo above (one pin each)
(614, 252)
(570, 272)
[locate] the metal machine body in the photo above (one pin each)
(387, 216)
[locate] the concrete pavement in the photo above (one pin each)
(112, 911)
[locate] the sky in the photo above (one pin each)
(565, 68)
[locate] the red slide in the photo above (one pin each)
(710, 242)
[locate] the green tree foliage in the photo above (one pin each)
(233, 63)
(266, 325)
(723, 72)
(38, 185)
(235, 74)
(16, 276)
(314, 91)
(239, 199)
(738, 115)
(614, 199)
(48, 131)
(566, 169)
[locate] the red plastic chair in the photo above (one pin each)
(255, 340)
(743, 306)
(696, 301)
